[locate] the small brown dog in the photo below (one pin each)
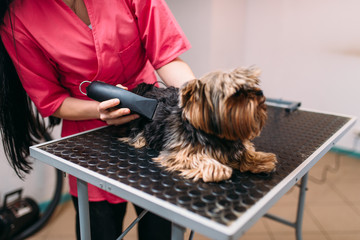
(204, 129)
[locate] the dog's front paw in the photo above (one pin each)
(209, 171)
(137, 142)
(260, 162)
(216, 173)
(268, 163)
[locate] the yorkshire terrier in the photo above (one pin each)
(205, 128)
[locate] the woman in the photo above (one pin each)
(54, 46)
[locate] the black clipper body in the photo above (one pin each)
(101, 91)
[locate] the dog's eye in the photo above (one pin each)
(259, 93)
(238, 92)
(256, 92)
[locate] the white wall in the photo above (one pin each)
(215, 30)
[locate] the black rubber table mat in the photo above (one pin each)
(293, 137)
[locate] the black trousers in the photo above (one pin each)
(106, 222)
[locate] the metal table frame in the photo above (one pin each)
(186, 219)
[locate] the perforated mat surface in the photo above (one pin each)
(293, 137)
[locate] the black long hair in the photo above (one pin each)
(20, 123)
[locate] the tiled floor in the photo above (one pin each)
(332, 210)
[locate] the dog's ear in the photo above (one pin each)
(247, 111)
(195, 105)
(190, 92)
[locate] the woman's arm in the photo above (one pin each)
(176, 73)
(77, 109)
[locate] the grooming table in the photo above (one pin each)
(224, 210)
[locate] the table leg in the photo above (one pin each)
(177, 232)
(83, 204)
(300, 209)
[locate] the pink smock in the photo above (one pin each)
(55, 51)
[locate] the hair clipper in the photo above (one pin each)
(101, 91)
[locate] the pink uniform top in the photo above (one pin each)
(55, 51)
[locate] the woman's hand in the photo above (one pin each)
(115, 116)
